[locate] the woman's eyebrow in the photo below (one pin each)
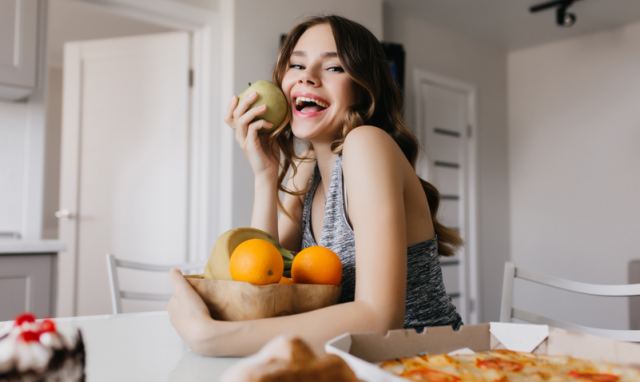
(301, 53)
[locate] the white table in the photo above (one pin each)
(141, 347)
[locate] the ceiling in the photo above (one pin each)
(508, 24)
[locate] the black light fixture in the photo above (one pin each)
(564, 18)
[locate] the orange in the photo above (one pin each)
(286, 281)
(256, 261)
(316, 265)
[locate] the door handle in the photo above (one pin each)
(64, 214)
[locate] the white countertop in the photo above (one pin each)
(30, 246)
(141, 347)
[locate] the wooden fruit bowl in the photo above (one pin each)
(236, 300)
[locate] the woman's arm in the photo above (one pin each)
(262, 158)
(264, 215)
(190, 317)
(290, 223)
(373, 177)
(375, 188)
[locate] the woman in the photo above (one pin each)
(355, 191)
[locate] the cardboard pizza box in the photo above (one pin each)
(363, 351)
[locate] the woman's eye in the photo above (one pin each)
(335, 69)
(295, 66)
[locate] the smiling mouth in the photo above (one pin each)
(309, 105)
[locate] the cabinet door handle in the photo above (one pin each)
(64, 214)
(10, 235)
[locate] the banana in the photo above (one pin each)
(218, 264)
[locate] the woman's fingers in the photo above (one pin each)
(254, 128)
(244, 105)
(180, 285)
(238, 108)
(241, 133)
(176, 277)
(184, 293)
(228, 118)
(246, 120)
(250, 115)
(247, 123)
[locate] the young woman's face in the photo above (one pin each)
(319, 90)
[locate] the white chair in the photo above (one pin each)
(508, 311)
(117, 295)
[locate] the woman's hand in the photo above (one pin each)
(187, 312)
(263, 158)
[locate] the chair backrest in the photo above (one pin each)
(117, 294)
(634, 302)
(509, 312)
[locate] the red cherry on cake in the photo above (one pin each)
(29, 336)
(47, 326)
(25, 317)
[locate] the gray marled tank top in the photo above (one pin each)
(427, 302)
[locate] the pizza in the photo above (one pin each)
(506, 365)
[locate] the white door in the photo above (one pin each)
(444, 117)
(125, 161)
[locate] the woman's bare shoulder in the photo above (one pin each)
(369, 147)
(368, 134)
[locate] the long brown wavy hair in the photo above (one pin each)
(378, 103)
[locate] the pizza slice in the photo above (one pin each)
(507, 365)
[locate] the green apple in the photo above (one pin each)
(269, 94)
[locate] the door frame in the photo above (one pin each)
(470, 278)
(202, 26)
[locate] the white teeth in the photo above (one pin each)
(300, 100)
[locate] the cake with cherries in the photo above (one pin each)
(39, 350)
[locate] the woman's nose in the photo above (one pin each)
(308, 78)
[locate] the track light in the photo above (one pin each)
(564, 18)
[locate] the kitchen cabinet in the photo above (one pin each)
(18, 48)
(26, 284)
(27, 277)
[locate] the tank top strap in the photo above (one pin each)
(333, 208)
(335, 224)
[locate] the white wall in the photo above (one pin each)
(257, 26)
(574, 155)
(434, 49)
